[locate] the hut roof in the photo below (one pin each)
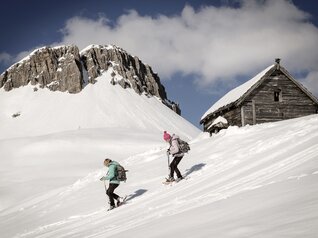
(237, 95)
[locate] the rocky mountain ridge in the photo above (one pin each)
(66, 69)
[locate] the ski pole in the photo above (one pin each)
(105, 188)
(168, 162)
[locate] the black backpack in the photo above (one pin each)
(184, 147)
(121, 173)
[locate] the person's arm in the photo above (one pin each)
(111, 172)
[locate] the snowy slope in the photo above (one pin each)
(54, 130)
(257, 181)
(98, 105)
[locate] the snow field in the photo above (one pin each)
(255, 181)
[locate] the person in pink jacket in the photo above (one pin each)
(176, 154)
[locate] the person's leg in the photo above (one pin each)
(173, 167)
(111, 194)
(177, 161)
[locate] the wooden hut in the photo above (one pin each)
(272, 95)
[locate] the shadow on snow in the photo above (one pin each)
(137, 193)
(194, 168)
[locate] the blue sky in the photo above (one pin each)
(200, 49)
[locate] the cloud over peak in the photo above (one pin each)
(213, 43)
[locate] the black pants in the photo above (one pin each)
(174, 166)
(111, 194)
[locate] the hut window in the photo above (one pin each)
(277, 95)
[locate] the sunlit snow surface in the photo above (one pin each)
(255, 181)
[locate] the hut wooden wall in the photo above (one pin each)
(293, 102)
(233, 117)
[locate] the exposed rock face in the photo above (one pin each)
(60, 69)
(57, 68)
(98, 58)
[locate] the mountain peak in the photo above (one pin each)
(65, 69)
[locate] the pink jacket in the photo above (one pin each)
(174, 146)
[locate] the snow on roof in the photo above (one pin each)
(236, 93)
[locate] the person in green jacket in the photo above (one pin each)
(113, 182)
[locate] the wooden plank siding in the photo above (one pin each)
(233, 116)
(293, 102)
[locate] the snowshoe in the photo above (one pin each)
(169, 181)
(179, 179)
(121, 201)
(111, 208)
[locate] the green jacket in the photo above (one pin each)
(112, 173)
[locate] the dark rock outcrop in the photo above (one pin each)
(97, 58)
(60, 69)
(57, 68)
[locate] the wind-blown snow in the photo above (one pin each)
(236, 93)
(254, 181)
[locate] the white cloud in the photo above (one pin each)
(5, 58)
(211, 43)
(311, 82)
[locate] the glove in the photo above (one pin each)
(102, 178)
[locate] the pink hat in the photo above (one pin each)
(166, 136)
